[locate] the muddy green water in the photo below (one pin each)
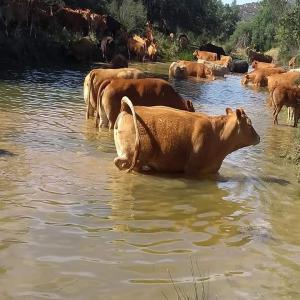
(72, 226)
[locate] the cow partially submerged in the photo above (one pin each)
(94, 79)
(169, 140)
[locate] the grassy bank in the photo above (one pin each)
(292, 154)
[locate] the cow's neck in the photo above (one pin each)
(226, 134)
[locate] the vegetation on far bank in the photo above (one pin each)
(276, 25)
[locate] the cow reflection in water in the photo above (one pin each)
(158, 204)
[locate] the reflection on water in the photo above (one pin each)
(74, 227)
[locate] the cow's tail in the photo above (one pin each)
(126, 101)
(91, 90)
(102, 87)
(271, 102)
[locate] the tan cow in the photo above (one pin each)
(147, 92)
(209, 56)
(152, 51)
(94, 79)
(164, 139)
(178, 71)
(225, 61)
(288, 79)
(216, 69)
(197, 70)
(137, 46)
(259, 77)
(262, 65)
(285, 80)
(286, 96)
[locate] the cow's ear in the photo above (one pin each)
(190, 105)
(239, 114)
(229, 111)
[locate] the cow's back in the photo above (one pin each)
(148, 92)
(164, 146)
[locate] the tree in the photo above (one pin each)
(288, 33)
(130, 13)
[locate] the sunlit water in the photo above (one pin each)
(74, 227)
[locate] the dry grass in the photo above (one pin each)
(199, 290)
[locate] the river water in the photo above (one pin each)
(72, 226)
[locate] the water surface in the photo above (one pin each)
(74, 227)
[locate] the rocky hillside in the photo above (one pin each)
(248, 10)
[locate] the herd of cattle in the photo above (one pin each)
(156, 129)
(33, 16)
(283, 86)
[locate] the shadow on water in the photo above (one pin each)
(6, 153)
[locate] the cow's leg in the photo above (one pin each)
(103, 122)
(128, 54)
(291, 115)
(277, 111)
(296, 115)
(89, 111)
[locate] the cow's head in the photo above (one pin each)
(246, 79)
(240, 127)
(254, 64)
(195, 54)
(180, 71)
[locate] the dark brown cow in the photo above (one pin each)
(253, 55)
(72, 20)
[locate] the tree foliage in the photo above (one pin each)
(210, 18)
(130, 13)
(288, 33)
(276, 24)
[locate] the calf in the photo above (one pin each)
(209, 56)
(147, 92)
(286, 80)
(213, 48)
(170, 140)
(290, 97)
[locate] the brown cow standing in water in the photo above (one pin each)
(147, 92)
(165, 139)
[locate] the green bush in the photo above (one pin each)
(132, 14)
